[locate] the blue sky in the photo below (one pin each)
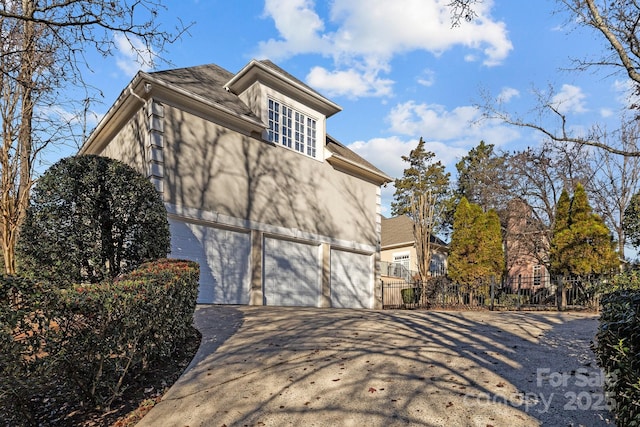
(398, 69)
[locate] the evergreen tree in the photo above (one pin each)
(476, 251)
(492, 257)
(479, 176)
(562, 212)
(92, 218)
(631, 221)
(582, 243)
(462, 256)
(423, 175)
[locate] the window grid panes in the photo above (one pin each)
(292, 128)
(299, 135)
(311, 137)
(402, 259)
(537, 275)
(274, 121)
(286, 126)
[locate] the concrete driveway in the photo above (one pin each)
(274, 366)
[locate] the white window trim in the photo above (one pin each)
(320, 136)
(406, 262)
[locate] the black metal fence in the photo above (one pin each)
(512, 293)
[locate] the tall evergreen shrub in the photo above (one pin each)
(92, 218)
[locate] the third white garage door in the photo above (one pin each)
(351, 280)
(292, 273)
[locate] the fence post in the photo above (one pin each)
(493, 291)
(561, 295)
(518, 300)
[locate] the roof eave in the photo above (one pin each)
(124, 106)
(353, 168)
(137, 92)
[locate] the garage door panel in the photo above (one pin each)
(291, 273)
(351, 280)
(223, 256)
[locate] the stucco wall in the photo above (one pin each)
(128, 145)
(209, 167)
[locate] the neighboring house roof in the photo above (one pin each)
(398, 231)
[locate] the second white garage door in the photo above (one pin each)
(351, 280)
(292, 273)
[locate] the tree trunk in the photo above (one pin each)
(20, 202)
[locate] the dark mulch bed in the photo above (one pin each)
(127, 410)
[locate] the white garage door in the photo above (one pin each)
(292, 273)
(223, 256)
(351, 280)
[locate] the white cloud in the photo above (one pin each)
(76, 119)
(460, 127)
(350, 83)
(506, 94)
(427, 78)
(570, 99)
(299, 27)
(132, 54)
(627, 95)
(362, 36)
(448, 134)
(432, 121)
(606, 112)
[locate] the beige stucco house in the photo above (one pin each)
(398, 251)
(275, 210)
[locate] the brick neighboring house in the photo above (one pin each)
(398, 252)
(275, 210)
(525, 247)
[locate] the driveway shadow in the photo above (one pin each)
(287, 366)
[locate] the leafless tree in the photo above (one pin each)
(422, 211)
(617, 24)
(536, 177)
(462, 11)
(615, 179)
(41, 57)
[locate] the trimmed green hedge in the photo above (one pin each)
(411, 295)
(617, 350)
(91, 340)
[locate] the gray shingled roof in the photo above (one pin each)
(399, 230)
(206, 81)
(279, 70)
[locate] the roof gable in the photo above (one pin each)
(398, 231)
(269, 74)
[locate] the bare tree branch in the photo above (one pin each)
(41, 58)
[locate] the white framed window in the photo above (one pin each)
(403, 259)
(537, 275)
(291, 128)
